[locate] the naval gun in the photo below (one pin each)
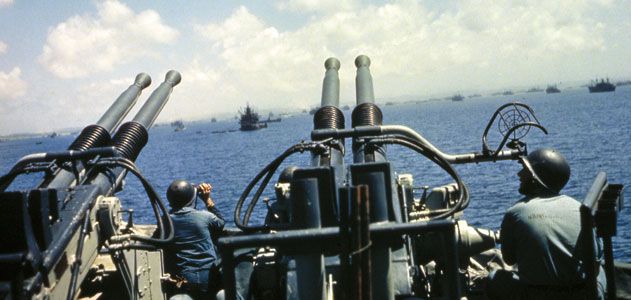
(359, 231)
(59, 238)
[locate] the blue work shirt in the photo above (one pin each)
(192, 248)
(541, 236)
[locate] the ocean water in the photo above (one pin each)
(591, 130)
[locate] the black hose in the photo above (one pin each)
(156, 202)
(259, 191)
(268, 171)
(463, 199)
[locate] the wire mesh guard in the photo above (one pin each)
(510, 117)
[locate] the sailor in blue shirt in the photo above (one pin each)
(192, 254)
(540, 235)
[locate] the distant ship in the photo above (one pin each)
(178, 125)
(507, 93)
(602, 86)
(552, 89)
(534, 90)
(271, 119)
(213, 120)
(249, 120)
(457, 97)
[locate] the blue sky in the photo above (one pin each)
(62, 63)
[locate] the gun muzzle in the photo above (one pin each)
(363, 81)
(115, 114)
(99, 134)
(331, 83)
(150, 111)
(133, 136)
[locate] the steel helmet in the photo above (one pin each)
(180, 193)
(549, 168)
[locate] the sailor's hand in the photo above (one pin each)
(204, 190)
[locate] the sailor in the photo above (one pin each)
(540, 235)
(192, 255)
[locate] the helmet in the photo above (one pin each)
(180, 193)
(549, 168)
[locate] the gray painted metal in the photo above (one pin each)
(331, 83)
(151, 109)
(123, 104)
(109, 121)
(108, 183)
(309, 270)
(363, 81)
(331, 97)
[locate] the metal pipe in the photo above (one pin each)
(365, 131)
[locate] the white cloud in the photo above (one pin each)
(408, 44)
(316, 5)
(11, 85)
(87, 44)
(5, 3)
(3, 48)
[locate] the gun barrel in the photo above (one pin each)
(132, 136)
(99, 134)
(123, 104)
(331, 83)
(151, 109)
(329, 116)
(363, 81)
(366, 113)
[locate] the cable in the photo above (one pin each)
(156, 203)
(268, 171)
(463, 199)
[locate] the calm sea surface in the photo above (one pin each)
(592, 130)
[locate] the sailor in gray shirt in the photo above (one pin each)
(540, 235)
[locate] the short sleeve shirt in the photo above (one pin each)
(541, 235)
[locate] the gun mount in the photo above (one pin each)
(358, 231)
(52, 235)
(334, 231)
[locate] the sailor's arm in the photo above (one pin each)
(216, 219)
